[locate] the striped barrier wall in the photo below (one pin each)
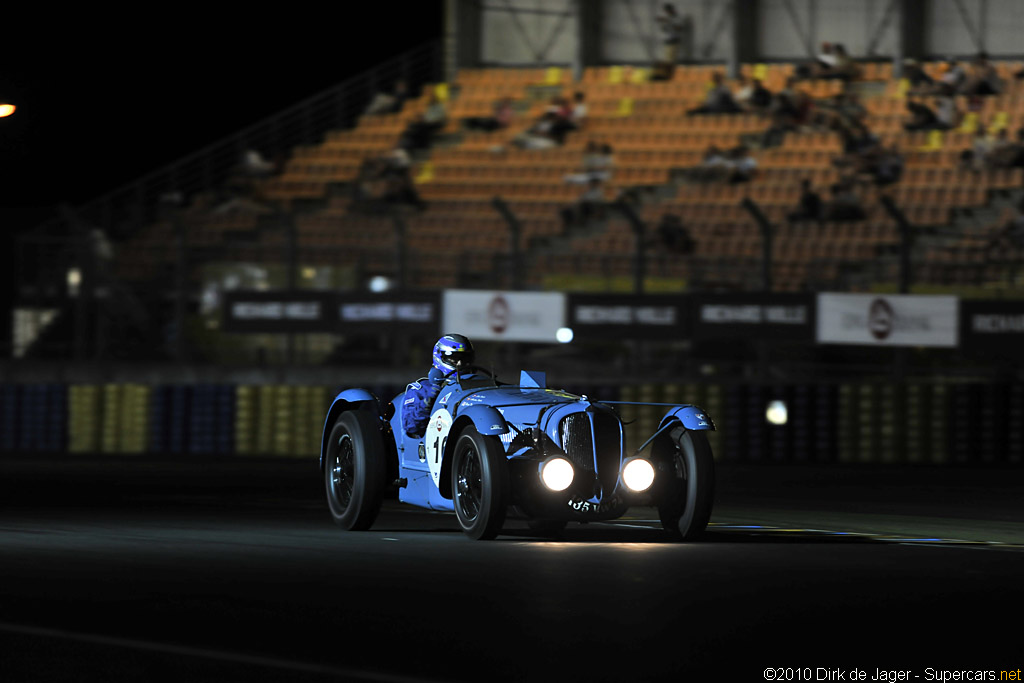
(923, 423)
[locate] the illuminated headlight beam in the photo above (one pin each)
(557, 474)
(638, 474)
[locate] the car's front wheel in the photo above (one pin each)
(480, 484)
(354, 470)
(687, 493)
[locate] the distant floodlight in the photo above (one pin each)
(379, 283)
(74, 281)
(6, 109)
(564, 335)
(777, 413)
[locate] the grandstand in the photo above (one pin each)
(464, 240)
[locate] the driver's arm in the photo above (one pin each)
(419, 399)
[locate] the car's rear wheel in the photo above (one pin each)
(686, 494)
(480, 484)
(354, 470)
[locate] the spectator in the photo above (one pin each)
(540, 134)
(760, 97)
(597, 163)
(387, 179)
(976, 157)
(920, 81)
(844, 204)
(983, 78)
(752, 96)
(389, 102)
(922, 117)
(946, 113)
(674, 236)
(591, 204)
(578, 115)
(713, 167)
(719, 99)
(834, 62)
(502, 117)
(1003, 152)
(952, 78)
(675, 29)
(741, 165)
(419, 134)
(568, 118)
(808, 207)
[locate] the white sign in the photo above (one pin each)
(507, 316)
(887, 320)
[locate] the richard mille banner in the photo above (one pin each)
(884, 320)
(753, 316)
(508, 316)
(992, 325)
(298, 312)
(593, 316)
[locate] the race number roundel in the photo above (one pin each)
(437, 433)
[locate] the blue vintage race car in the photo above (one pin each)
(549, 455)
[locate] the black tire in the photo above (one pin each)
(480, 484)
(354, 470)
(686, 499)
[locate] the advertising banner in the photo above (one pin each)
(755, 316)
(283, 312)
(504, 316)
(887, 320)
(992, 325)
(414, 312)
(599, 316)
(299, 312)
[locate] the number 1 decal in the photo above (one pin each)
(438, 427)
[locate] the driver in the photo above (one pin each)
(451, 352)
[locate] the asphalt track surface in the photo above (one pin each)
(121, 569)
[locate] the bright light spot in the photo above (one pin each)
(564, 335)
(309, 272)
(379, 283)
(74, 280)
(556, 474)
(777, 414)
(6, 110)
(638, 475)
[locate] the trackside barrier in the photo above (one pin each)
(926, 423)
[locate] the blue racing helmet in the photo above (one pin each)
(452, 350)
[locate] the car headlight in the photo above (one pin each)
(556, 473)
(638, 474)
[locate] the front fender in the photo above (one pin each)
(486, 420)
(345, 400)
(692, 417)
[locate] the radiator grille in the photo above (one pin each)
(579, 432)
